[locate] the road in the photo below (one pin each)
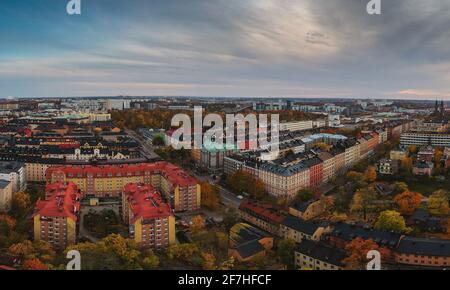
(146, 146)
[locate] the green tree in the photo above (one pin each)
(391, 220)
(158, 140)
(305, 195)
(400, 187)
(230, 217)
(285, 251)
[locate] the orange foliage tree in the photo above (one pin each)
(357, 251)
(34, 264)
(408, 201)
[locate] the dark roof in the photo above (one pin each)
(249, 249)
(301, 225)
(322, 252)
(426, 247)
(301, 206)
(349, 232)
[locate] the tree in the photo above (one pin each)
(182, 252)
(41, 250)
(400, 187)
(412, 149)
(407, 164)
(285, 251)
(438, 203)
(158, 140)
(208, 261)
(370, 174)
(358, 178)
(391, 220)
(305, 195)
(210, 196)
(323, 146)
(357, 251)
(230, 217)
(111, 253)
(363, 200)
(151, 261)
(408, 202)
(34, 264)
(242, 181)
(198, 224)
(21, 204)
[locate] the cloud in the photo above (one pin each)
(213, 47)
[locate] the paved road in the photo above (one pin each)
(146, 146)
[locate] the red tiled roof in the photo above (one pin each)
(172, 172)
(62, 200)
(145, 202)
(264, 210)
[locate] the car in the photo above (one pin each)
(240, 197)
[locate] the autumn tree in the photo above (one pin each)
(412, 149)
(438, 203)
(370, 174)
(391, 220)
(407, 164)
(362, 201)
(358, 178)
(21, 204)
(357, 251)
(408, 202)
(242, 181)
(210, 196)
(323, 146)
(400, 187)
(28, 250)
(150, 261)
(182, 252)
(208, 261)
(197, 224)
(34, 264)
(113, 252)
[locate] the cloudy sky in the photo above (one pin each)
(283, 48)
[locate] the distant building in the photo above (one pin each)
(423, 168)
(309, 210)
(387, 166)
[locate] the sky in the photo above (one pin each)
(243, 48)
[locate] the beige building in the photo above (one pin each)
(6, 194)
(310, 255)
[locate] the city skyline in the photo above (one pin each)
(299, 49)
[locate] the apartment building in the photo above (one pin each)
(56, 217)
(423, 252)
(298, 229)
(182, 190)
(6, 195)
(310, 255)
(151, 220)
(15, 172)
(262, 215)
